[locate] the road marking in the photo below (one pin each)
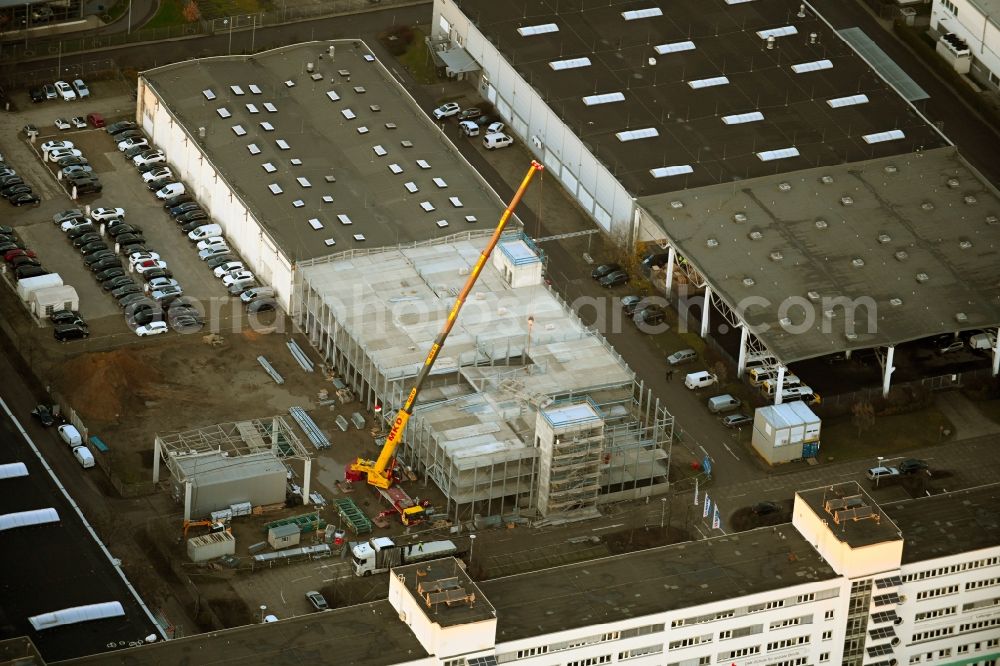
(700, 532)
(607, 527)
(295, 580)
(707, 453)
(730, 451)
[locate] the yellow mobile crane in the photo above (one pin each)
(379, 472)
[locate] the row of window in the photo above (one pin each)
(787, 643)
(688, 642)
(801, 661)
(640, 652)
(591, 661)
(931, 634)
(982, 603)
(936, 613)
(950, 6)
(595, 639)
(954, 568)
(987, 582)
(756, 608)
(791, 622)
(976, 626)
(978, 645)
(937, 592)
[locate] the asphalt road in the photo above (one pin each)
(50, 567)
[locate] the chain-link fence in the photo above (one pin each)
(90, 70)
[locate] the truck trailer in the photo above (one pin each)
(381, 554)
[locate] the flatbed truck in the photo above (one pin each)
(380, 554)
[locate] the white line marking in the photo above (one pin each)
(607, 527)
(730, 451)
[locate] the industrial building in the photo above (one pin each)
(849, 583)
(527, 410)
(757, 147)
(306, 150)
(968, 37)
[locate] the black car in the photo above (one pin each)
(120, 126)
(128, 134)
(144, 168)
(173, 202)
(614, 278)
(7, 231)
(160, 183)
(912, 466)
(92, 259)
(191, 225)
(180, 209)
(215, 262)
(66, 317)
(130, 300)
(603, 270)
(116, 282)
(96, 246)
(14, 190)
(83, 239)
(17, 262)
(70, 160)
(129, 239)
(93, 187)
(81, 230)
(125, 290)
(765, 508)
(70, 332)
(25, 199)
(118, 229)
(630, 303)
(143, 316)
(29, 272)
(132, 248)
(132, 152)
(10, 180)
(651, 315)
(11, 245)
(142, 309)
(157, 273)
(109, 274)
(105, 263)
(192, 216)
(186, 325)
(36, 95)
(44, 415)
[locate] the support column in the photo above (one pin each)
(187, 500)
(306, 480)
(669, 268)
(156, 457)
(889, 369)
(741, 365)
(706, 310)
(996, 352)
(780, 386)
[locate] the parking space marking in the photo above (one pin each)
(730, 451)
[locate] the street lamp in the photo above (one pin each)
(663, 510)
(879, 476)
(472, 549)
(263, 609)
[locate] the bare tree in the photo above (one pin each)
(862, 415)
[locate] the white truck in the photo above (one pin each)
(380, 554)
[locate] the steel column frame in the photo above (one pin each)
(996, 352)
(780, 386)
(888, 370)
(741, 364)
(706, 310)
(671, 259)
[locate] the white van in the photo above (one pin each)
(763, 361)
(982, 341)
(760, 375)
(701, 379)
(469, 128)
(770, 386)
(171, 190)
(798, 393)
(493, 141)
(84, 457)
(723, 403)
(69, 434)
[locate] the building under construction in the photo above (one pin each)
(527, 410)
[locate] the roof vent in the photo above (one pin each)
(969, 199)
(923, 277)
(901, 255)
(813, 295)
(748, 282)
(785, 186)
(826, 180)
(992, 220)
(813, 37)
(755, 235)
(776, 256)
(927, 205)
(953, 183)
(712, 242)
(884, 238)
(676, 204)
(309, 67)
(846, 201)
(857, 262)
(851, 336)
(821, 224)
(740, 218)
(965, 244)
(890, 168)
(895, 302)
(829, 313)
(785, 322)
(961, 317)
(770, 42)
(201, 135)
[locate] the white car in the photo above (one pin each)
(447, 110)
(62, 124)
(205, 231)
(81, 88)
(142, 159)
(170, 191)
(79, 122)
(236, 276)
(205, 255)
(105, 214)
(59, 153)
(494, 141)
(213, 241)
(152, 328)
(134, 142)
(149, 265)
(73, 224)
(65, 91)
(155, 174)
(228, 267)
(160, 283)
(69, 434)
(55, 145)
(469, 128)
(495, 128)
(138, 257)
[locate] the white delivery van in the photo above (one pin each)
(723, 403)
(758, 376)
(982, 341)
(771, 385)
(69, 434)
(700, 379)
(84, 457)
(469, 128)
(493, 141)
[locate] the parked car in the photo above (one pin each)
(254, 293)
(105, 214)
(211, 241)
(723, 403)
(766, 507)
(912, 466)
(138, 257)
(469, 128)
(145, 266)
(81, 88)
(446, 110)
(156, 173)
(192, 216)
(133, 142)
(614, 279)
(882, 473)
(44, 415)
(650, 315)
(129, 134)
(236, 276)
(64, 333)
(119, 279)
(166, 294)
(218, 260)
(121, 229)
(77, 168)
(29, 272)
(110, 273)
(66, 317)
(120, 126)
(79, 122)
(160, 183)
(682, 356)
(60, 153)
(227, 267)
(145, 160)
(90, 248)
(152, 328)
(96, 120)
(36, 95)
(104, 263)
(125, 290)
(204, 231)
(67, 215)
(171, 191)
(71, 160)
(11, 255)
(65, 91)
(736, 420)
(98, 256)
(50, 91)
(495, 128)
(215, 251)
(153, 284)
(183, 208)
(82, 230)
(498, 140)
(317, 600)
(17, 262)
(178, 200)
(157, 273)
(951, 346)
(130, 153)
(131, 300)
(603, 270)
(49, 146)
(700, 379)
(83, 239)
(28, 199)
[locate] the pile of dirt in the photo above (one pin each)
(102, 386)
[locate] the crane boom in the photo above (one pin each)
(378, 471)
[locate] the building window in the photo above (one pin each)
(828, 615)
(827, 635)
(824, 656)
(950, 6)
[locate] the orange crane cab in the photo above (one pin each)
(213, 525)
(379, 473)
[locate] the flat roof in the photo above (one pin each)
(947, 524)
(361, 157)
(663, 68)
(363, 635)
(851, 515)
(912, 241)
(206, 469)
(465, 602)
(651, 581)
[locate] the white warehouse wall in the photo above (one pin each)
(241, 229)
(979, 31)
(554, 143)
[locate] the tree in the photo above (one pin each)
(862, 415)
(720, 370)
(191, 12)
